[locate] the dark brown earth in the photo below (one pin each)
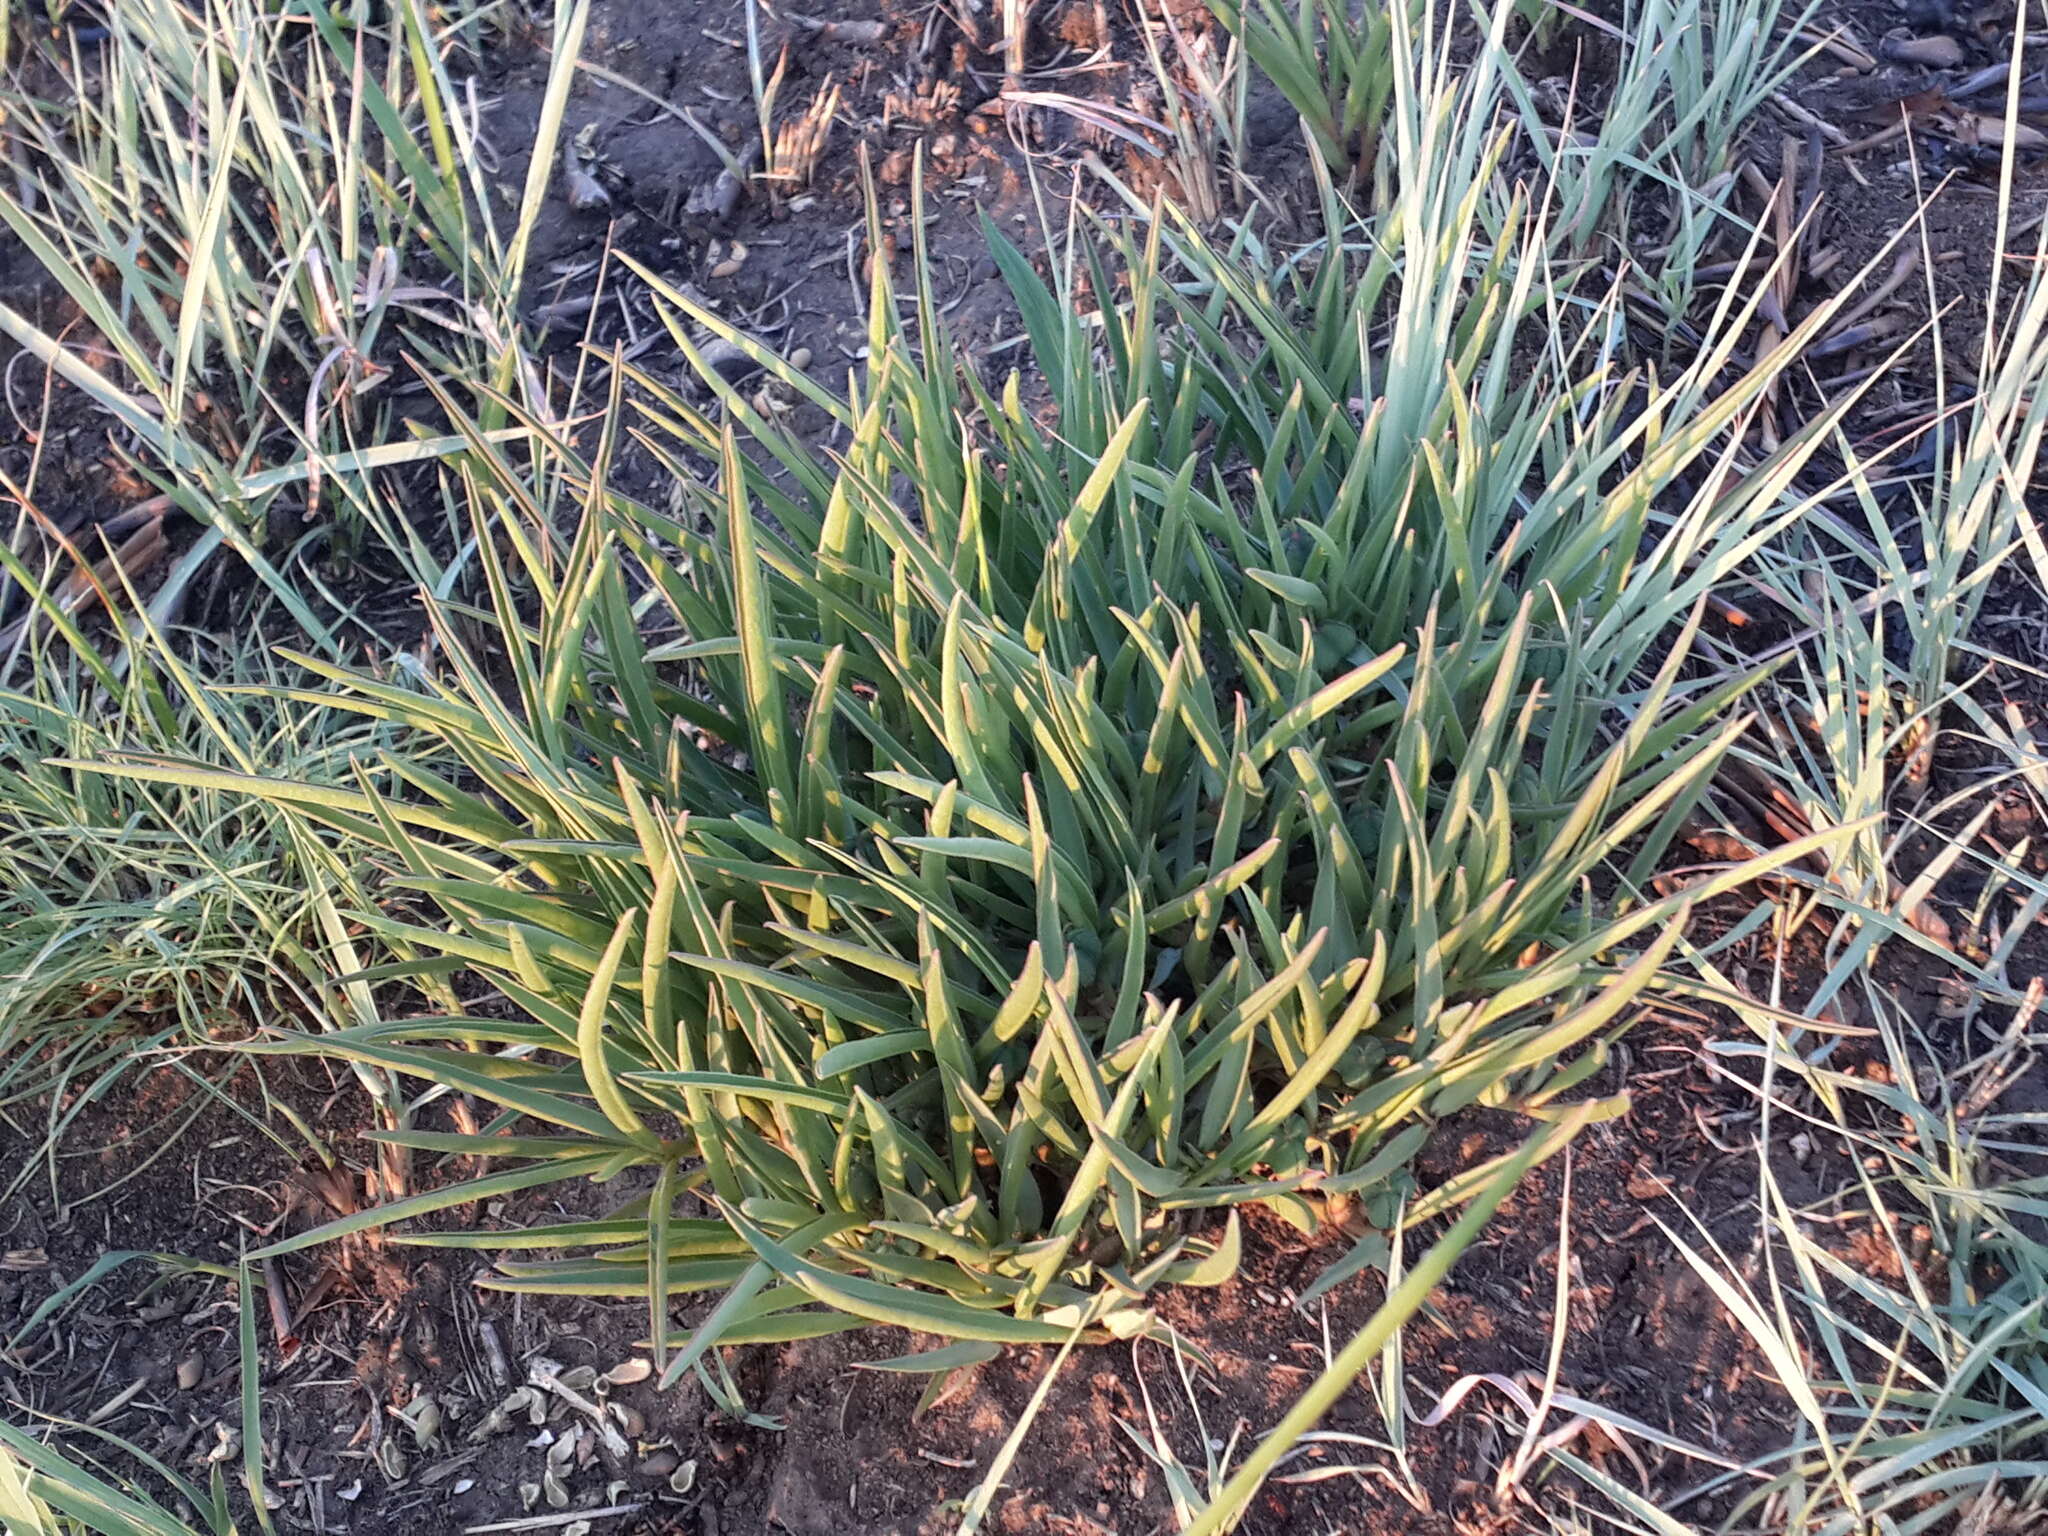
(850, 1455)
(834, 1449)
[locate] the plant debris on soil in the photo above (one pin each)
(386, 1376)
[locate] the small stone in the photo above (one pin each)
(1937, 52)
(657, 1464)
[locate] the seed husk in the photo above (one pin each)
(426, 1421)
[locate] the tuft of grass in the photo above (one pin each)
(252, 205)
(1659, 136)
(1920, 1382)
(44, 1492)
(141, 920)
(967, 863)
(1916, 1379)
(1333, 61)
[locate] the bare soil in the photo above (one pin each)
(851, 1455)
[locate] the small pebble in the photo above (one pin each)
(657, 1464)
(1937, 52)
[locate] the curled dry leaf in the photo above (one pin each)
(140, 530)
(554, 1490)
(494, 1352)
(629, 1372)
(1842, 44)
(715, 200)
(425, 1416)
(586, 193)
(500, 1419)
(1985, 128)
(1924, 918)
(550, 1377)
